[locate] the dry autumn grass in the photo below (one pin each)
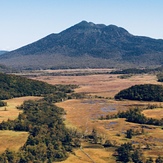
(98, 155)
(10, 111)
(84, 114)
(106, 85)
(155, 113)
(11, 139)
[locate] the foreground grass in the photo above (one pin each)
(106, 85)
(84, 115)
(10, 111)
(97, 154)
(154, 113)
(12, 140)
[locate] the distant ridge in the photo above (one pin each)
(88, 45)
(2, 52)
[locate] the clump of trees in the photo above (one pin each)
(2, 103)
(138, 71)
(135, 115)
(133, 71)
(159, 77)
(127, 153)
(144, 92)
(16, 86)
(49, 139)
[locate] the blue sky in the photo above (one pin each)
(25, 21)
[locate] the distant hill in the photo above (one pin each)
(16, 86)
(2, 52)
(6, 69)
(88, 45)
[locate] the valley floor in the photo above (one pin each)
(84, 114)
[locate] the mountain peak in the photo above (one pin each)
(85, 26)
(90, 24)
(87, 44)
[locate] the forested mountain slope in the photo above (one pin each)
(88, 45)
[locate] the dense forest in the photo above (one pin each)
(15, 86)
(132, 71)
(49, 140)
(144, 92)
(138, 71)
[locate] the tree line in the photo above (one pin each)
(127, 153)
(15, 86)
(49, 140)
(144, 92)
(135, 116)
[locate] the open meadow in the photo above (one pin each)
(84, 114)
(105, 85)
(11, 139)
(88, 113)
(10, 111)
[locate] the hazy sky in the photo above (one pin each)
(25, 21)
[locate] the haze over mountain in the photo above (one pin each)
(88, 45)
(3, 51)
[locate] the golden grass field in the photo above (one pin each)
(84, 114)
(156, 113)
(10, 111)
(106, 85)
(11, 139)
(98, 155)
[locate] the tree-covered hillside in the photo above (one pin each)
(15, 86)
(88, 45)
(2, 52)
(145, 92)
(49, 140)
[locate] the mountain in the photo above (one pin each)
(3, 51)
(6, 69)
(88, 45)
